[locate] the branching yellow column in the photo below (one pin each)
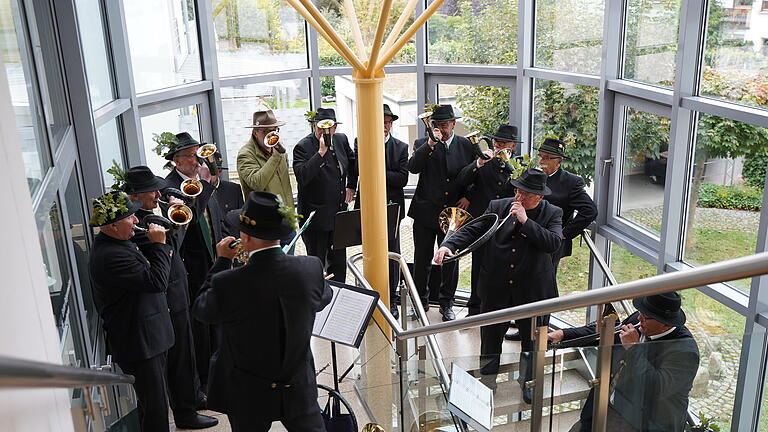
(373, 187)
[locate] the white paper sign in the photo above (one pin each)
(470, 400)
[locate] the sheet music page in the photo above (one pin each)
(322, 316)
(472, 397)
(349, 310)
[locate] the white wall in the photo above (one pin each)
(26, 317)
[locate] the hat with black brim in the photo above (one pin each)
(506, 132)
(443, 113)
(664, 308)
(260, 217)
(553, 146)
(532, 180)
(184, 141)
(112, 207)
(140, 179)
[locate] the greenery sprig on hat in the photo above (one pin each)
(288, 213)
(108, 207)
(310, 115)
(118, 174)
(165, 141)
(518, 166)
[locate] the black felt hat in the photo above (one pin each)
(532, 180)
(260, 217)
(506, 132)
(443, 113)
(553, 146)
(325, 114)
(140, 179)
(388, 113)
(112, 207)
(664, 308)
(184, 141)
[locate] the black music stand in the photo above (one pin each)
(348, 228)
(345, 319)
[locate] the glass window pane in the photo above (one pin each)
(726, 192)
(94, 43)
(255, 36)
(718, 331)
(21, 83)
(482, 108)
(110, 149)
(736, 55)
(650, 43)
(168, 55)
(644, 168)
(568, 112)
(55, 262)
(289, 100)
(79, 230)
(48, 63)
(478, 32)
(569, 35)
(177, 120)
(368, 12)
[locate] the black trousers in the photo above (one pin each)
(183, 382)
(201, 332)
(394, 271)
(423, 251)
(320, 244)
(492, 336)
(473, 305)
(150, 387)
(307, 423)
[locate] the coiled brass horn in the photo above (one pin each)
(272, 140)
(191, 187)
(326, 126)
(180, 214)
(451, 219)
(426, 118)
(372, 427)
(241, 255)
(206, 153)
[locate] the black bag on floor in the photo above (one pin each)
(334, 420)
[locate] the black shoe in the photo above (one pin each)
(447, 313)
(202, 401)
(512, 336)
(197, 421)
(473, 311)
(394, 311)
(527, 395)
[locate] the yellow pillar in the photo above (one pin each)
(373, 187)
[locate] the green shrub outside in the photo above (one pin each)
(754, 170)
(730, 197)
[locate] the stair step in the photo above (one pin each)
(569, 386)
(561, 422)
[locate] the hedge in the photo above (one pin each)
(730, 197)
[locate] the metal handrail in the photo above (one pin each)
(605, 268)
(445, 379)
(738, 268)
(21, 373)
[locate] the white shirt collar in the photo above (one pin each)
(185, 177)
(661, 335)
(261, 249)
(449, 141)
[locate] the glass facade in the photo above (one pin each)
(569, 35)
(168, 55)
(644, 168)
(679, 179)
(95, 52)
(650, 43)
(258, 36)
(177, 120)
(482, 32)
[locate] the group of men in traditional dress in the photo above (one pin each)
(189, 323)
